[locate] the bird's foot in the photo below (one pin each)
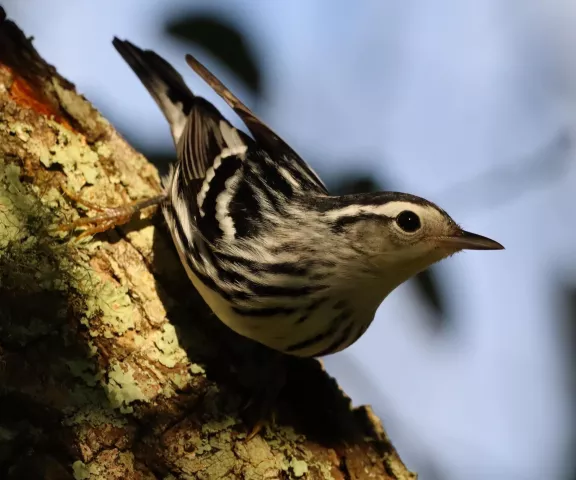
(109, 217)
(260, 409)
(260, 424)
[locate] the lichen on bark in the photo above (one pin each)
(110, 365)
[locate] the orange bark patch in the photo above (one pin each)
(25, 95)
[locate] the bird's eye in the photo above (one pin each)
(408, 221)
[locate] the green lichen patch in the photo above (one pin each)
(20, 130)
(217, 465)
(122, 387)
(196, 458)
(96, 427)
(219, 425)
(134, 171)
(96, 416)
(106, 300)
(18, 215)
(84, 369)
(69, 152)
(81, 397)
(33, 281)
(111, 464)
(102, 149)
(169, 352)
(79, 108)
(299, 467)
(80, 470)
(41, 278)
(127, 268)
(259, 460)
(197, 369)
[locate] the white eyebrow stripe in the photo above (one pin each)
(389, 209)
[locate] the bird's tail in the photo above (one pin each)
(164, 83)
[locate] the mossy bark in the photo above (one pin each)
(110, 365)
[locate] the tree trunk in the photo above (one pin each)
(111, 366)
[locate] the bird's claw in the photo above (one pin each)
(109, 218)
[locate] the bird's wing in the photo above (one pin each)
(224, 181)
(200, 132)
(162, 82)
(266, 138)
(209, 149)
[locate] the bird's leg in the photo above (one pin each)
(261, 404)
(109, 217)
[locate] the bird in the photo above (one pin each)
(276, 257)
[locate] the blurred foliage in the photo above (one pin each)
(354, 183)
(161, 160)
(426, 283)
(224, 41)
(568, 335)
(508, 180)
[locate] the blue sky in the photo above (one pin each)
(429, 96)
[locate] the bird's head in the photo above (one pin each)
(395, 235)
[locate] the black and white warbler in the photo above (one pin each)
(275, 256)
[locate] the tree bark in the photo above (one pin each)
(111, 366)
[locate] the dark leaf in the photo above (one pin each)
(568, 332)
(224, 41)
(427, 285)
(161, 160)
(355, 184)
(568, 347)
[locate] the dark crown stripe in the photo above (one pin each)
(376, 199)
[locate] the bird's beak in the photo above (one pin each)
(463, 240)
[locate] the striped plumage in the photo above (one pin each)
(275, 257)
